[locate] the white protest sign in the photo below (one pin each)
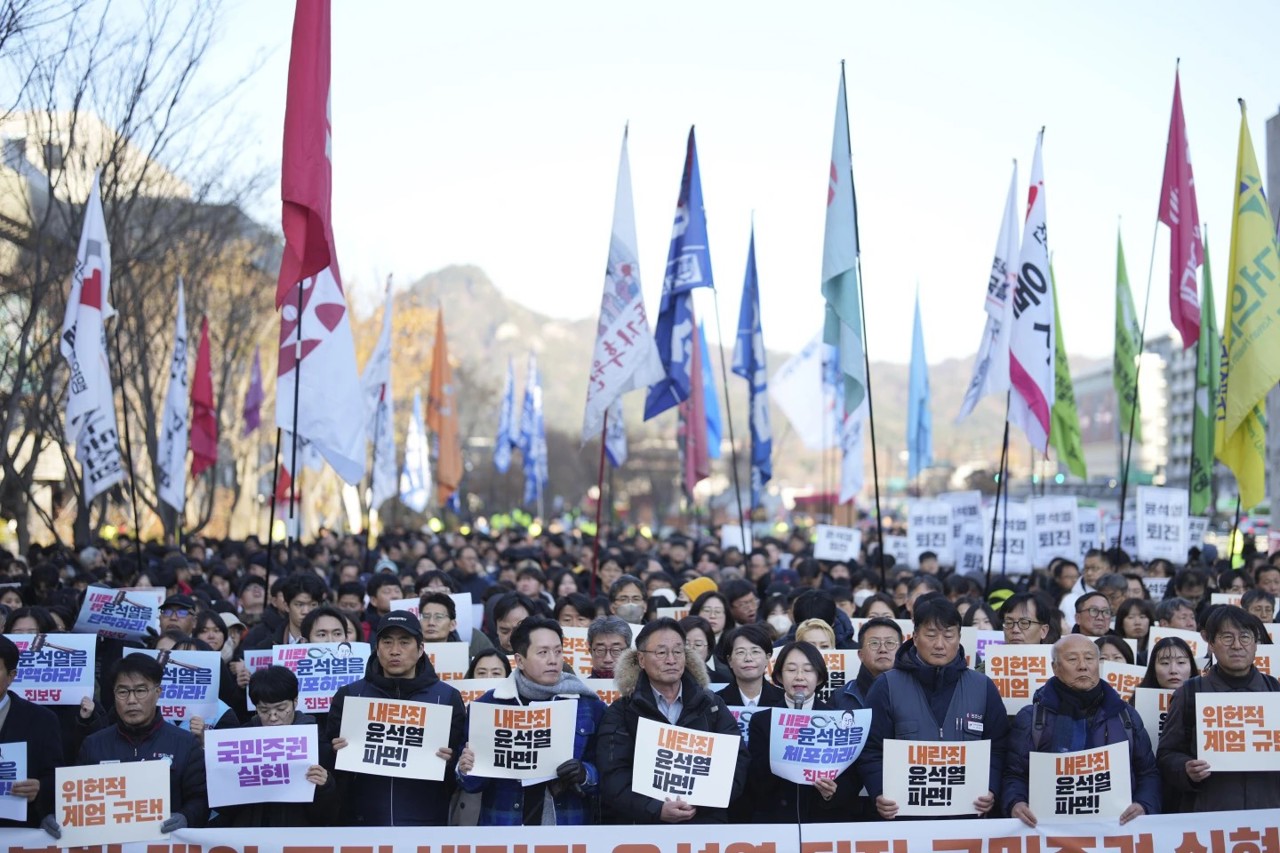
(190, 684)
(473, 688)
(606, 689)
(98, 804)
(970, 547)
(1155, 587)
(930, 528)
(389, 737)
(843, 666)
(966, 506)
(1055, 526)
(54, 669)
(521, 741)
(1018, 672)
(450, 660)
(1124, 678)
(676, 613)
(321, 669)
(1088, 530)
(1197, 527)
(930, 779)
(839, 544)
(260, 764)
(673, 762)
(1152, 705)
(577, 653)
(898, 547)
(13, 768)
(1012, 552)
(1238, 732)
(742, 716)
(1199, 648)
(1267, 659)
(119, 614)
(1162, 523)
(1092, 783)
(734, 536)
(805, 746)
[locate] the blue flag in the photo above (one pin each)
(503, 442)
(415, 479)
(615, 435)
(919, 419)
(533, 436)
(715, 429)
(749, 363)
(688, 266)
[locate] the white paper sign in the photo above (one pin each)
(1087, 785)
(1199, 648)
(805, 746)
(1197, 527)
(99, 804)
(840, 544)
(966, 506)
(1130, 540)
(930, 528)
(1162, 524)
(1238, 732)
(606, 689)
(673, 762)
(450, 660)
(1155, 587)
(13, 768)
(388, 737)
(733, 536)
(1055, 526)
(1124, 678)
(1012, 552)
(971, 547)
(190, 684)
(119, 614)
(898, 547)
(521, 741)
(1152, 705)
(321, 669)
(473, 688)
(577, 653)
(843, 666)
(1018, 672)
(54, 669)
(1088, 530)
(932, 779)
(260, 764)
(742, 716)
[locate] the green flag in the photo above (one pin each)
(1208, 354)
(1124, 371)
(1064, 431)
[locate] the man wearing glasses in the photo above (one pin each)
(439, 615)
(178, 613)
(1093, 614)
(663, 681)
(141, 734)
(1026, 620)
(607, 637)
(1233, 635)
(878, 643)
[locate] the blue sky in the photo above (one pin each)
(488, 133)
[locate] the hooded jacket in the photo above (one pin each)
(916, 701)
(1045, 726)
(702, 711)
(376, 800)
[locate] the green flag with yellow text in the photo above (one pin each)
(1064, 420)
(1208, 357)
(1124, 373)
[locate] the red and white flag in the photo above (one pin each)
(1178, 210)
(317, 363)
(204, 417)
(1031, 343)
(91, 409)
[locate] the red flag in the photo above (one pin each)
(306, 181)
(442, 417)
(204, 419)
(1178, 211)
(692, 430)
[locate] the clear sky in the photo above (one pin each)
(488, 133)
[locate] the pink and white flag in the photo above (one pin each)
(1031, 344)
(1178, 210)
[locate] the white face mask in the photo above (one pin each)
(861, 595)
(630, 613)
(781, 623)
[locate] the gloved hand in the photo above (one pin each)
(175, 821)
(572, 772)
(50, 825)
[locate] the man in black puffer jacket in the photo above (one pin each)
(399, 670)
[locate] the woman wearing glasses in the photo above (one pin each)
(749, 649)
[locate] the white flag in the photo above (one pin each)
(625, 356)
(171, 451)
(615, 437)
(91, 411)
(800, 393)
(379, 410)
(991, 369)
(853, 463)
(415, 480)
(1031, 345)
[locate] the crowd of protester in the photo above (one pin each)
(775, 601)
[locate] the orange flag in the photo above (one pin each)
(442, 417)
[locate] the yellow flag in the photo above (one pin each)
(1250, 360)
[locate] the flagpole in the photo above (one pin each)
(275, 480)
(294, 499)
(604, 432)
(728, 416)
(1137, 374)
(1000, 486)
(128, 451)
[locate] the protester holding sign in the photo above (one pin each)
(663, 681)
(399, 670)
(1076, 710)
(27, 723)
(1233, 635)
(570, 798)
(140, 734)
(931, 695)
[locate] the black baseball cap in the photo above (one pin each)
(402, 619)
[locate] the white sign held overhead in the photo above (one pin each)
(930, 528)
(840, 544)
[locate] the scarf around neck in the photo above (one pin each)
(568, 684)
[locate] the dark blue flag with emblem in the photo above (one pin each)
(749, 363)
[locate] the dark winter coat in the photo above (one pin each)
(187, 792)
(38, 728)
(321, 811)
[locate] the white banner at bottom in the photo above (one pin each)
(1215, 831)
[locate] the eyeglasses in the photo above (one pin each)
(628, 599)
(180, 612)
(712, 611)
(696, 645)
(435, 617)
(753, 653)
(1243, 640)
(877, 645)
(664, 653)
(607, 651)
(1096, 612)
(1021, 624)
(138, 693)
(274, 712)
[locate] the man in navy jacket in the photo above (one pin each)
(25, 722)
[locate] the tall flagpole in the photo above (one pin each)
(1137, 375)
(728, 416)
(866, 352)
(275, 481)
(1001, 486)
(604, 432)
(294, 498)
(128, 452)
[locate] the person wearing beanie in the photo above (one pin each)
(698, 586)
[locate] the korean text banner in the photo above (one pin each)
(805, 746)
(450, 660)
(392, 738)
(54, 669)
(1018, 672)
(473, 688)
(119, 614)
(936, 779)
(673, 762)
(521, 741)
(260, 764)
(13, 767)
(1229, 832)
(321, 669)
(189, 687)
(1090, 784)
(110, 803)
(1152, 705)
(1238, 732)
